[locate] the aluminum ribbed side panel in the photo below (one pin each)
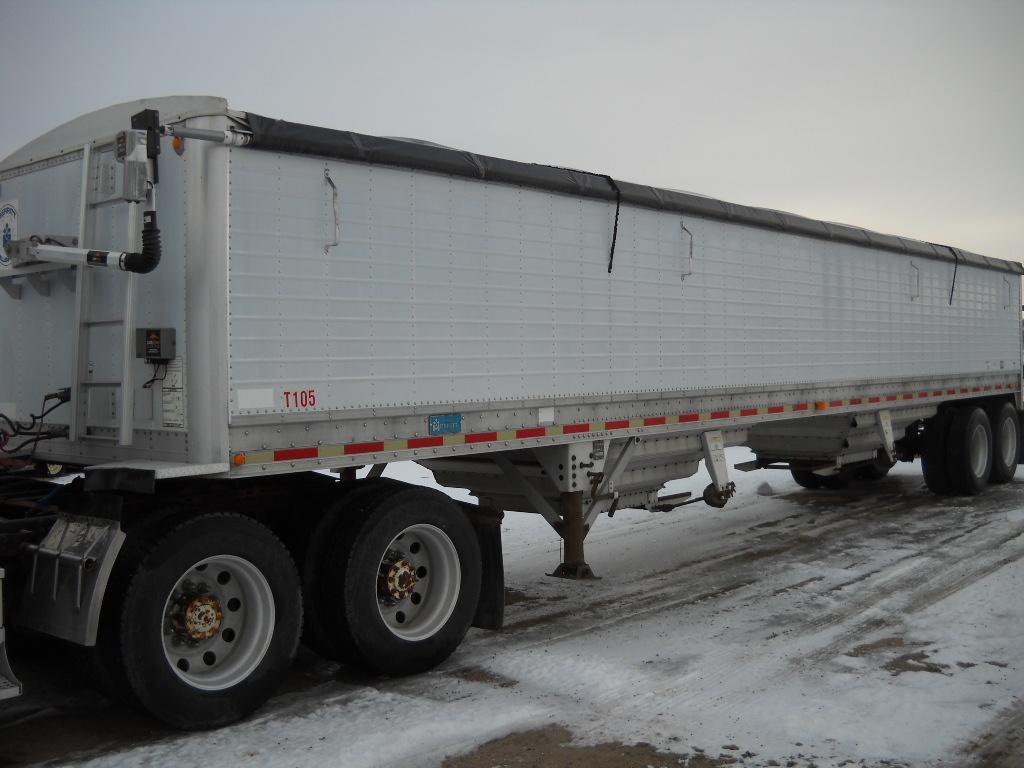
(447, 290)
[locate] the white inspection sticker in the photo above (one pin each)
(173, 394)
(255, 398)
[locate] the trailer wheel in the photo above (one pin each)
(209, 622)
(1005, 441)
(837, 482)
(969, 450)
(806, 479)
(349, 504)
(406, 582)
(878, 468)
(934, 463)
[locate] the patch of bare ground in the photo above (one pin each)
(1001, 745)
(914, 662)
(481, 675)
(514, 596)
(910, 661)
(879, 646)
(552, 747)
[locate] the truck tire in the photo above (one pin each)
(969, 450)
(934, 464)
(104, 664)
(806, 479)
(1005, 441)
(405, 582)
(351, 502)
(209, 621)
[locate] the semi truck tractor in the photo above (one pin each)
(212, 320)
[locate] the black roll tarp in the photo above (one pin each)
(296, 138)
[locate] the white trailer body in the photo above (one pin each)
(556, 341)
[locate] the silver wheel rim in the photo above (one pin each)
(418, 582)
(979, 450)
(218, 622)
(1008, 442)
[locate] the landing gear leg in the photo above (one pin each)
(573, 532)
(721, 489)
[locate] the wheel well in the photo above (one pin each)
(910, 445)
(272, 501)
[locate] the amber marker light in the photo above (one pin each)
(239, 459)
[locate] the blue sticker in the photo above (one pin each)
(448, 424)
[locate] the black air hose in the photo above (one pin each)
(149, 258)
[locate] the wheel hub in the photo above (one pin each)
(199, 616)
(397, 579)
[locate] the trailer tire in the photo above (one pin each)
(253, 584)
(837, 482)
(1005, 441)
(878, 468)
(806, 479)
(349, 504)
(969, 450)
(934, 464)
(408, 538)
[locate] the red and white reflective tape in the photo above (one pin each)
(526, 433)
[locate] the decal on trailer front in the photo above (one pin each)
(8, 228)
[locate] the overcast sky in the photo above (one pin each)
(906, 117)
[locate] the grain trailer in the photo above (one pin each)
(213, 319)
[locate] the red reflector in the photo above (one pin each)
(653, 421)
(801, 407)
(719, 414)
(425, 442)
(776, 409)
(294, 454)
(482, 437)
(573, 428)
(748, 412)
(686, 418)
(531, 432)
(364, 448)
(621, 424)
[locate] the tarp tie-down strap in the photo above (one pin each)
(956, 263)
(618, 206)
(615, 229)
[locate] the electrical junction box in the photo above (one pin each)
(154, 345)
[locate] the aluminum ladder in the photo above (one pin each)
(82, 382)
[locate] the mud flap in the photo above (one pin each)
(490, 611)
(67, 577)
(9, 685)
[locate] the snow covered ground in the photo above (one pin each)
(876, 626)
